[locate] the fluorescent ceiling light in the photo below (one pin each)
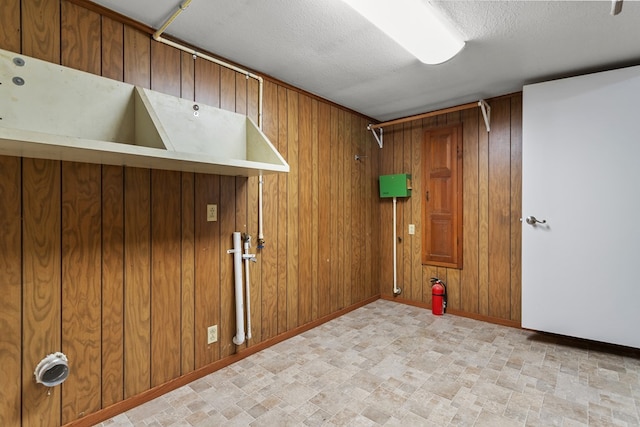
(415, 25)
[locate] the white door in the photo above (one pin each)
(581, 174)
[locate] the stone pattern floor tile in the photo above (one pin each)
(389, 364)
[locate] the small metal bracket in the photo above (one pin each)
(486, 113)
(375, 135)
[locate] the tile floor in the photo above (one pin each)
(396, 365)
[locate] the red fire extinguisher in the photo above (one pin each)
(438, 296)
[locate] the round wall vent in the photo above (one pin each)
(52, 370)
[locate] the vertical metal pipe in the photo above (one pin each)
(396, 290)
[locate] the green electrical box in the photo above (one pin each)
(398, 185)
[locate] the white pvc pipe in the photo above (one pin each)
(248, 258)
(396, 290)
(237, 271)
(157, 36)
(168, 22)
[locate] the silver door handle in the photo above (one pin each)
(532, 220)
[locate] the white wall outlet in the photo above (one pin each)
(212, 334)
(412, 229)
(212, 213)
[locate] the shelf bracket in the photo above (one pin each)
(375, 135)
(486, 113)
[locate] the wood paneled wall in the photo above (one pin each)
(118, 268)
(489, 284)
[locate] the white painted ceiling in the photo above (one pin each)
(324, 47)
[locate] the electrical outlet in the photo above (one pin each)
(412, 229)
(212, 212)
(212, 334)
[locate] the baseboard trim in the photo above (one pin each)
(130, 403)
(460, 313)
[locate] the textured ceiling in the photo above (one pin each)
(324, 47)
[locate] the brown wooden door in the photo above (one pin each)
(442, 198)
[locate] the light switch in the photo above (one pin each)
(412, 229)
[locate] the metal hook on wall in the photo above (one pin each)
(358, 157)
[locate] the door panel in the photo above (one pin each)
(442, 203)
(580, 174)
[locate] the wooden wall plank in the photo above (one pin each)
(226, 216)
(326, 208)
(137, 57)
(10, 26)
(516, 207)
(207, 83)
(81, 35)
(227, 89)
(166, 225)
(334, 173)
(137, 292)
(187, 271)
(253, 101)
(416, 207)
(453, 283)
(112, 284)
(293, 204)
(406, 257)
(81, 287)
(428, 271)
(357, 236)
(372, 213)
(315, 210)
(81, 236)
(165, 69)
(242, 96)
(112, 49)
(347, 228)
(187, 76)
(483, 222)
(340, 220)
(470, 188)
(41, 286)
(454, 291)
(500, 210)
(207, 268)
(269, 254)
(305, 213)
(283, 196)
(365, 198)
(10, 289)
(41, 29)
(372, 171)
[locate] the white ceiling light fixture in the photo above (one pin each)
(415, 25)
